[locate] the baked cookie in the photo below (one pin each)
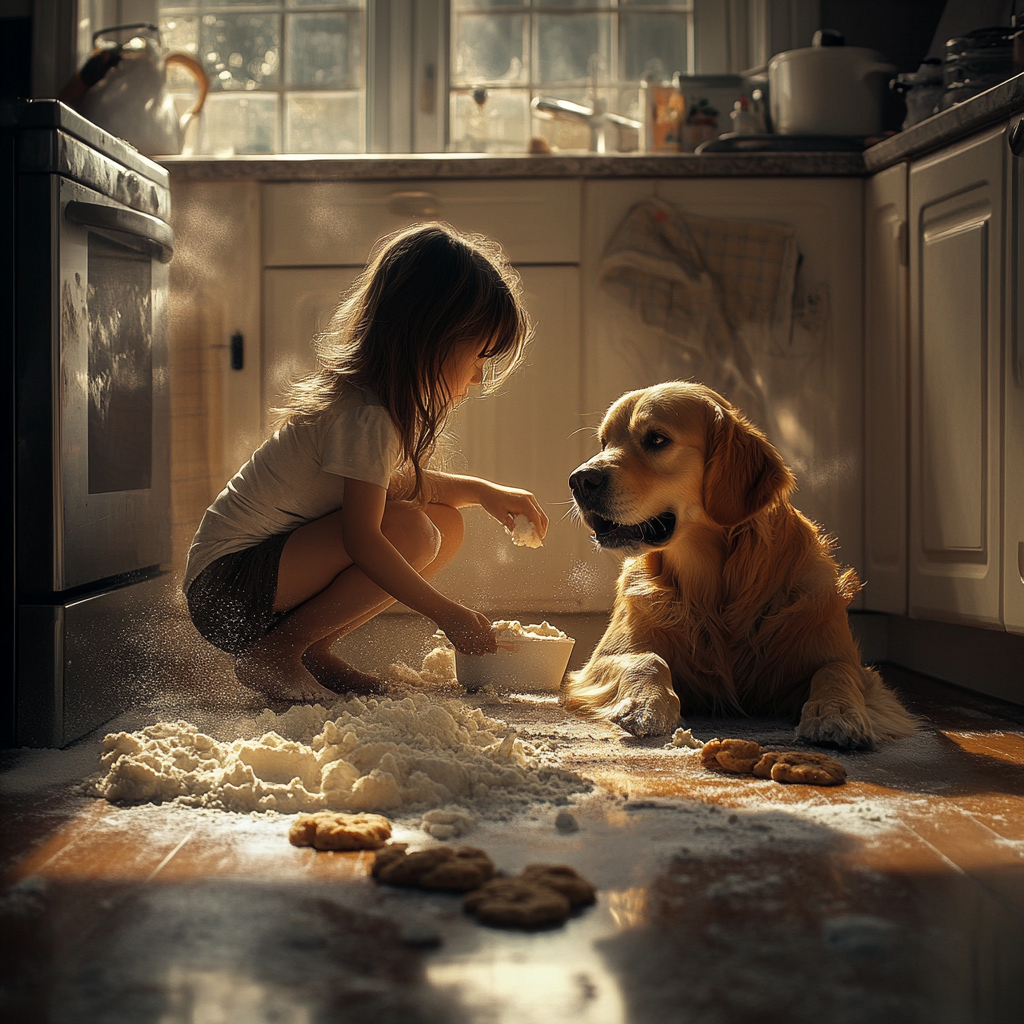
(576, 889)
(738, 756)
(801, 766)
(446, 868)
(515, 901)
(333, 830)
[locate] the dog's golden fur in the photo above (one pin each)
(742, 608)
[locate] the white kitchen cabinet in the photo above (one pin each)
(886, 251)
(1013, 428)
(316, 239)
(525, 436)
(812, 379)
(956, 324)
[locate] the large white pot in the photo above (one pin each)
(828, 90)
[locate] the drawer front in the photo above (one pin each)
(336, 223)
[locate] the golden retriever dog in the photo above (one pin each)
(730, 600)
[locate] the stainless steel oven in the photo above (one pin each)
(87, 293)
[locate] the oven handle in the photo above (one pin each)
(149, 235)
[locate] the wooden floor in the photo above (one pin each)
(897, 897)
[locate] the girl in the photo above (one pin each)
(337, 516)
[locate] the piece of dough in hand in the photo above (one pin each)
(515, 901)
(446, 868)
(524, 534)
(800, 766)
(737, 756)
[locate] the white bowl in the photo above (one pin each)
(531, 664)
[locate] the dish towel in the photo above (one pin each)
(721, 288)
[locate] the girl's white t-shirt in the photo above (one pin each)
(297, 476)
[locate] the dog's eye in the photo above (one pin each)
(653, 440)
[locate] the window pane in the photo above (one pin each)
(241, 3)
(573, 49)
(323, 122)
(500, 125)
(181, 33)
(241, 51)
(324, 49)
(324, 3)
(652, 45)
(482, 4)
(234, 124)
(489, 48)
(572, 3)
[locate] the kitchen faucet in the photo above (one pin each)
(597, 117)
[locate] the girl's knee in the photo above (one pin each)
(412, 532)
(449, 521)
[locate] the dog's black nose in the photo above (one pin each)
(585, 481)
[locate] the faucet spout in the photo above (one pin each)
(596, 117)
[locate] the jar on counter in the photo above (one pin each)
(975, 62)
(744, 120)
(921, 90)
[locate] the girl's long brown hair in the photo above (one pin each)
(426, 293)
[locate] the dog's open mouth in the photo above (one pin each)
(652, 532)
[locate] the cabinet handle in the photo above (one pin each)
(1015, 137)
(236, 348)
(414, 204)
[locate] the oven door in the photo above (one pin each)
(111, 440)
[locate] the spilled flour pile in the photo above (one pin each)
(365, 754)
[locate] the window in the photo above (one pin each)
(326, 76)
(505, 54)
(286, 76)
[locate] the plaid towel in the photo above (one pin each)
(702, 277)
(718, 291)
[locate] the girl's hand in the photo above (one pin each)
(468, 630)
(505, 503)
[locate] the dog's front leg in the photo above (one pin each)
(836, 712)
(632, 690)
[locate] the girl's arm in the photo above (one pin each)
(502, 503)
(361, 513)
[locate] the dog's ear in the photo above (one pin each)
(743, 473)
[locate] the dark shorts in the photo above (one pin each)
(232, 600)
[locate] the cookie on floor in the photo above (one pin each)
(334, 830)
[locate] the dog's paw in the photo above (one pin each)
(834, 723)
(642, 717)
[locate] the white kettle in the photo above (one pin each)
(828, 88)
(131, 101)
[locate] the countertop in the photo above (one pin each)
(373, 166)
(988, 108)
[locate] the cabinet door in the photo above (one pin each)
(809, 381)
(296, 305)
(956, 209)
(529, 436)
(1013, 447)
(885, 391)
(526, 436)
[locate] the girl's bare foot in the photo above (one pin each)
(280, 678)
(337, 675)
